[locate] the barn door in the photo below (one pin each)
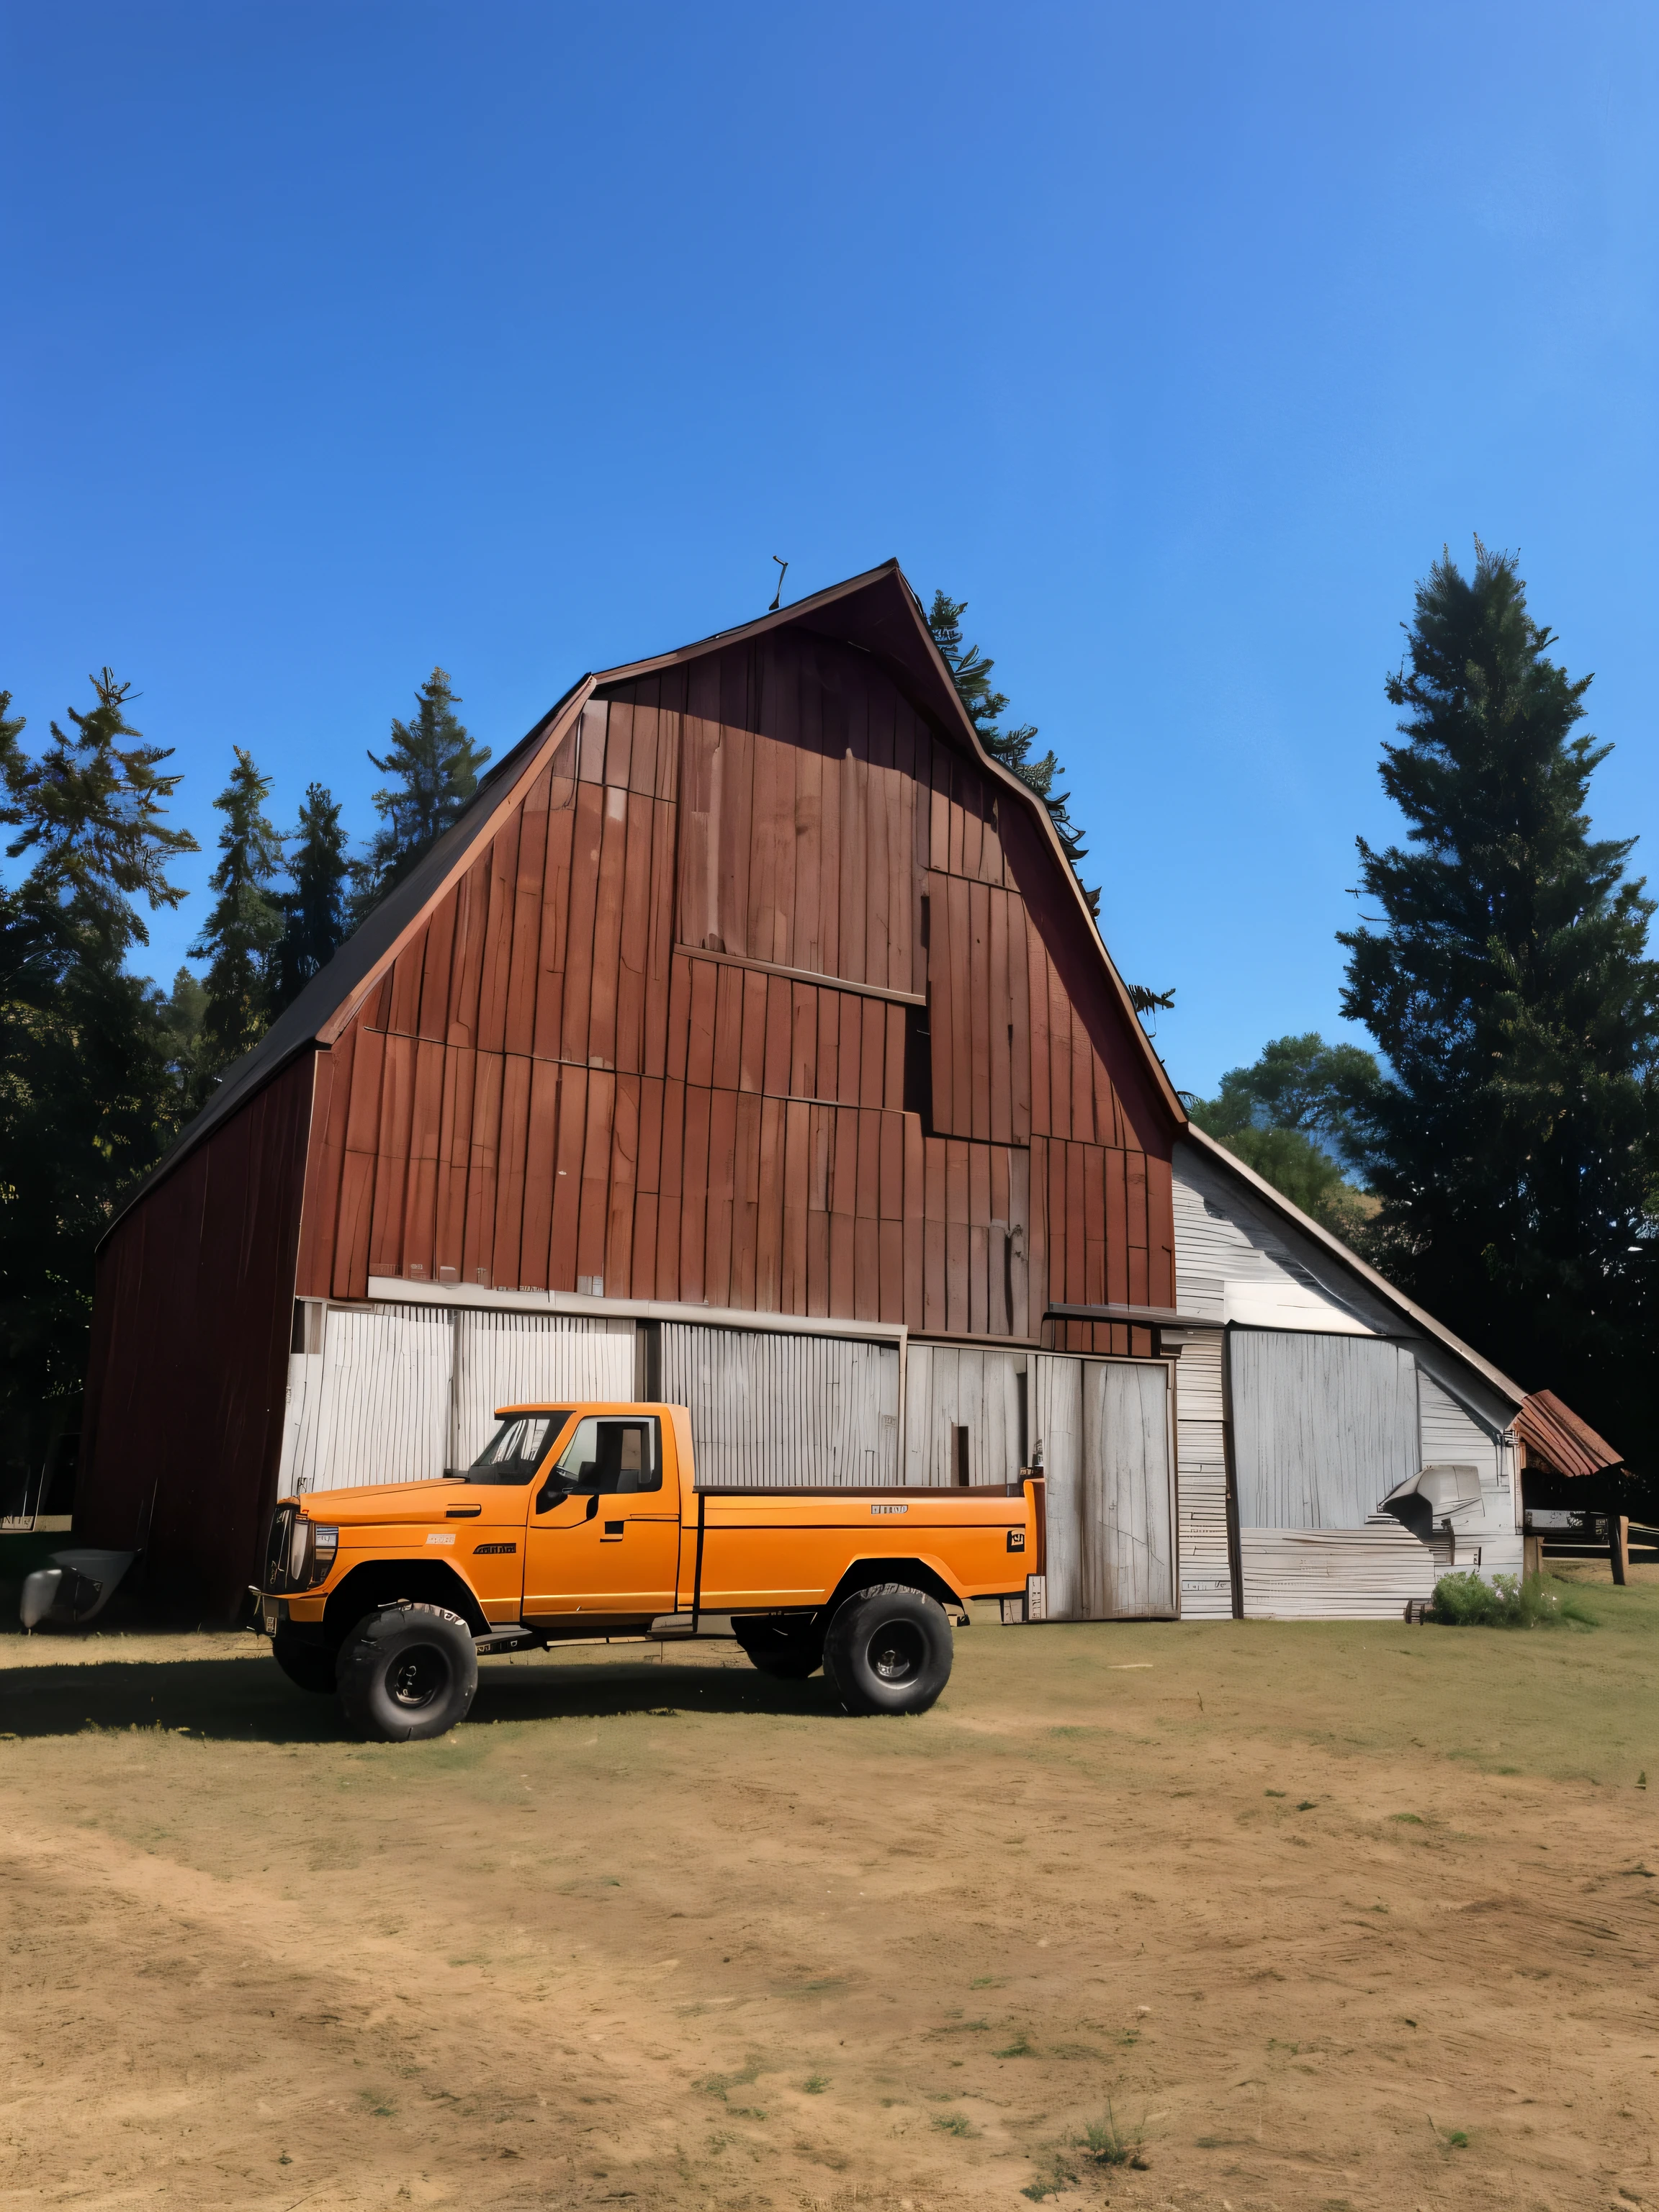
(1128, 1549)
(1104, 1427)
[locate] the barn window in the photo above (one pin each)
(918, 1066)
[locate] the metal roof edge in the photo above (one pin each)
(1336, 1249)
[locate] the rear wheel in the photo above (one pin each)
(310, 1665)
(406, 1672)
(789, 1650)
(889, 1650)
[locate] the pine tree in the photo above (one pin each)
(437, 765)
(971, 669)
(316, 921)
(87, 1103)
(243, 926)
(1515, 1143)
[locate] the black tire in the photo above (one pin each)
(789, 1650)
(310, 1665)
(889, 1650)
(406, 1672)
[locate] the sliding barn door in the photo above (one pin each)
(1105, 1428)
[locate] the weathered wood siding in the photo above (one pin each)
(1104, 1427)
(191, 1324)
(576, 1077)
(1206, 1586)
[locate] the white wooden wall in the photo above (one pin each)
(1206, 1586)
(397, 1392)
(1452, 1435)
(378, 1407)
(775, 1411)
(1337, 1574)
(1235, 1259)
(948, 1386)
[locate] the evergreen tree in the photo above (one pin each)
(182, 1013)
(435, 765)
(971, 669)
(1514, 1142)
(243, 926)
(87, 1101)
(315, 920)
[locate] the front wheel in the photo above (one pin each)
(889, 1650)
(406, 1672)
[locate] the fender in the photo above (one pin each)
(386, 1582)
(923, 1573)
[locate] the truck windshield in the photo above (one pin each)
(516, 1448)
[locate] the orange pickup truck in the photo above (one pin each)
(586, 1521)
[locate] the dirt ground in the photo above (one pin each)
(1328, 1916)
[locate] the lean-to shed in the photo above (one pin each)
(748, 1043)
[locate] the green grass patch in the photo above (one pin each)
(1466, 1601)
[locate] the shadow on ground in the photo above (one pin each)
(252, 1701)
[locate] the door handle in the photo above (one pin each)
(613, 1531)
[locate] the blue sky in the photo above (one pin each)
(346, 339)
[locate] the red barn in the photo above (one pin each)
(748, 1039)
(748, 1043)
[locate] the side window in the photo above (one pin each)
(611, 1458)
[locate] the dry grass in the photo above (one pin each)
(1357, 1916)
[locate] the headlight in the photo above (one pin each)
(311, 1553)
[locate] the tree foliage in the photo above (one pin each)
(971, 669)
(1290, 1115)
(433, 765)
(244, 925)
(88, 1078)
(316, 920)
(1514, 1142)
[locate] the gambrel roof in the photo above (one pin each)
(876, 613)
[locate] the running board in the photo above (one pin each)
(513, 1636)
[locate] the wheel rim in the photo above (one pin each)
(896, 1651)
(417, 1679)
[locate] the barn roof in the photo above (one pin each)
(1421, 1321)
(877, 613)
(1551, 1429)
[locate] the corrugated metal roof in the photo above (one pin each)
(1550, 1428)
